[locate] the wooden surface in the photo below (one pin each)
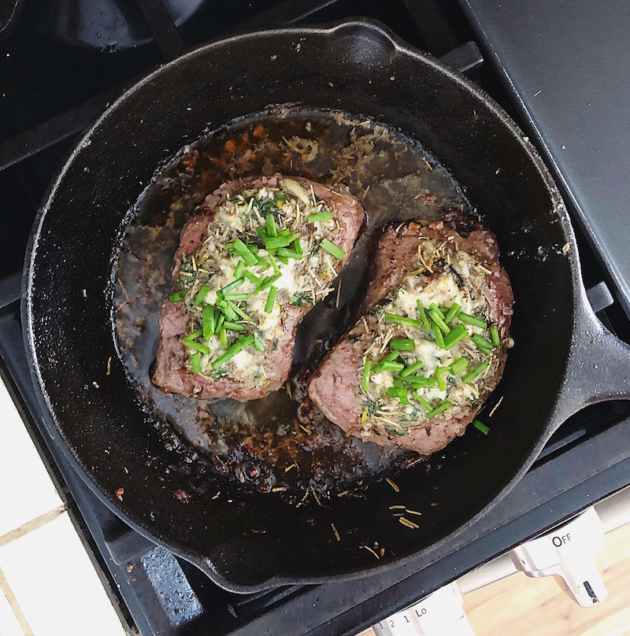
(521, 606)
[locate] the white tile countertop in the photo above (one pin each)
(48, 584)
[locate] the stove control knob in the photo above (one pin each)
(568, 553)
(438, 614)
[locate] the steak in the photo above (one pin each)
(396, 378)
(258, 256)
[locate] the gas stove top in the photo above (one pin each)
(58, 74)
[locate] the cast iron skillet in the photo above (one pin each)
(563, 360)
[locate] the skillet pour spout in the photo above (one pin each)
(248, 541)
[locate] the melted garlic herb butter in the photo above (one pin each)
(444, 276)
(301, 274)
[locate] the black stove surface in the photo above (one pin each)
(53, 86)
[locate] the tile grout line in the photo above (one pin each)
(31, 525)
(15, 606)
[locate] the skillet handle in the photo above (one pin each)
(598, 368)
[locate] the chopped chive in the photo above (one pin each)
(238, 310)
(471, 320)
(398, 392)
(282, 259)
(478, 370)
(259, 344)
(402, 344)
(286, 232)
(275, 242)
(399, 384)
(438, 318)
(454, 309)
(274, 264)
(233, 285)
(438, 409)
(254, 249)
(192, 336)
(284, 252)
(298, 247)
(195, 360)
(223, 337)
(418, 382)
(228, 312)
(485, 346)
(439, 338)
(321, 216)
(177, 296)
(389, 358)
(423, 316)
(236, 348)
(391, 366)
(238, 270)
(197, 346)
(235, 297)
(402, 320)
(234, 326)
(494, 334)
(439, 376)
(412, 369)
(271, 225)
(416, 396)
(480, 426)
(458, 366)
(208, 322)
(252, 278)
(241, 249)
(271, 299)
(262, 263)
(268, 281)
(219, 323)
(367, 369)
(331, 248)
(459, 332)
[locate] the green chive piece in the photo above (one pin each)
(471, 320)
(192, 336)
(235, 349)
(177, 296)
(259, 344)
(238, 270)
(478, 370)
(438, 318)
(271, 225)
(321, 216)
(402, 320)
(367, 370)
(262, 263)
(297, 246)
(282, 259)
(219, 323)
(398, 392)
(438, 409)
(235, 326)
(252, 278)
(331, 248)
(459, 332)
(389, 358)
(235, 297)
(271, 299)
(195, 360)
(402, 344)
(458, 366)
(439, 376)
(412, 369)
(275, 242)
(197, 346)
(233, 285)
(274, 264)
(423, 316)
(238, 310)
(418, 382)
(283, 252)
(228, 312)
(454, 309)
(485, 346)
(494, 334)
(254, 249)
(391, 366)
(286, 232)
(223, 337)
(480, 426)
(268, 281)
(208, 322)
(241, 249)
(439, 338)
(416, 396)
